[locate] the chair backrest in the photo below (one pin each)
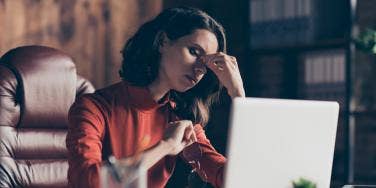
(37, 86)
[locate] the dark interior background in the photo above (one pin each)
(282, 54)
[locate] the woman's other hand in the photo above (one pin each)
(178, 135)
(227, 70)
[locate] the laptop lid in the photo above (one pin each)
(273, 142)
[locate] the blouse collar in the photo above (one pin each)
(141, 98)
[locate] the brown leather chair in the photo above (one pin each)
(37, 86)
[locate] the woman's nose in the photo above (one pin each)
(199, 69)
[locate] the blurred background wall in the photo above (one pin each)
(299, 49)
(91, 31)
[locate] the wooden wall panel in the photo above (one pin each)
(93, 32)
(126, 17)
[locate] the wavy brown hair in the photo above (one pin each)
(141, 59)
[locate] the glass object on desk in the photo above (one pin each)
(358, 186)
(123, 174)
(193, 154)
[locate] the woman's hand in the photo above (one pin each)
(227, 70)
(178, 135)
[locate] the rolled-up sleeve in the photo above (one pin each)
(211, 162)
(84, 143)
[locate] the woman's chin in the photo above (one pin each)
(184, 88)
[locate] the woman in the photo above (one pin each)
(173, 70)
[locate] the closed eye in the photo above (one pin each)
(194, 51)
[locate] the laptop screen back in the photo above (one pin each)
(273, 142)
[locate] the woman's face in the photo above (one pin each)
(179, 67)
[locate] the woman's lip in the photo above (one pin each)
(192, 79)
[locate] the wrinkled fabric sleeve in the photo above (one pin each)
(211, 162)
(84, 143)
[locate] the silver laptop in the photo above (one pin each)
(273, 142)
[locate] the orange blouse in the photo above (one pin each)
(113, 121)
